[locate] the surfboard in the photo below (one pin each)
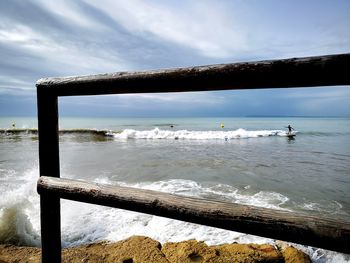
(290, 135)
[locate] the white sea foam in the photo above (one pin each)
(83, 223)
(227, 193)
(19, 211)
(121, 224)
(157, 133)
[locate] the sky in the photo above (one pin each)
(48, 38)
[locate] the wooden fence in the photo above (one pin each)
(328, 70)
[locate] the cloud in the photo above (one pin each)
(200, 98)
(61, 53)
(326, 101)
(44, 38)
(51, 49)
(72, 38)
(14, 85)
(24, 37)
(204, 27)
(175, 104)
(328, 93)
(70, 12)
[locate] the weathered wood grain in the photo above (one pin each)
(283, 225)
(294, 72)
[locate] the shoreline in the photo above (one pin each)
(144, 249)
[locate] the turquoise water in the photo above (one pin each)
(248, 161)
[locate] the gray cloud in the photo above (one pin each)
(40, 38)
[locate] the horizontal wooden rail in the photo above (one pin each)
(283, 225)
(295, 72)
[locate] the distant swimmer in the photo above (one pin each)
(14, 125)
(171, 126)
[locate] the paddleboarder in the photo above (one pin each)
(290, 128)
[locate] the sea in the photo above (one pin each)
(247, 160)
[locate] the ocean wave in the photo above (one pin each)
(222, 192)
(157, 133)
(61, 131)
(19, 211)
(168, 230)
(81, 223)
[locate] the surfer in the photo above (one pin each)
(290, 128)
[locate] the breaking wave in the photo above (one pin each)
(157, 133)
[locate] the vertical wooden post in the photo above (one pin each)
(50, 210)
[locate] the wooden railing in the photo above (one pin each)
(300, 72)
